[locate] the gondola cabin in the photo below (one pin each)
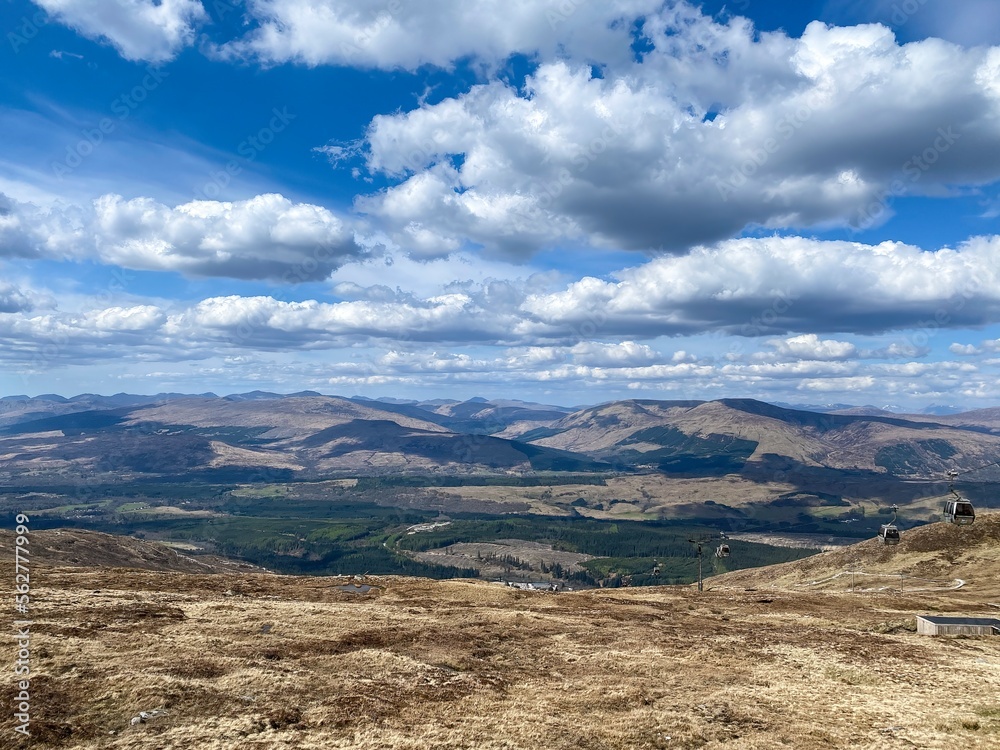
(959, 512)
(722, 550)
(889, 534)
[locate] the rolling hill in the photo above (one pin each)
(80, 548)
(478, 415)
(935, 556)
(734, 435)
(306, 435)
(15, 409)
(260, 435)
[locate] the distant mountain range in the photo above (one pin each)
(262, 436)
(936, 409)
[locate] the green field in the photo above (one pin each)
(328, 528)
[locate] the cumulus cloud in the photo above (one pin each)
(264, 322)
(790, 290)
(897, 350)
(15, 232)
(150, 30)
(236, 325)
(138, 318)
(964, 350)
(348, 290)
(625, 354)
(716, 129)
(859, 384)
(438, 342)
(13, 299)
(397, 34)
(527, 363)
(549, 367)
(34, 342)
(810, 346)
(391, 266)
(781, 285)
(265, 237)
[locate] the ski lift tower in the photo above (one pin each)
(721, 551)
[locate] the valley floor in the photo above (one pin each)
(266, 661)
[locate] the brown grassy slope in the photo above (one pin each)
(285, 418)
(264, 661)
(807, 438)
(602, 427)
(82, 548)
(989, 418)
(939, 552)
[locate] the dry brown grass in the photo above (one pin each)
(929, 558)
(85, 548)
(638, 496)
(264, 661)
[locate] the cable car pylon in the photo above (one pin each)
(721, 551)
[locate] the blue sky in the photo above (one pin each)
(556, 200)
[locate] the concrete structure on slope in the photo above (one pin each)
(934, 625)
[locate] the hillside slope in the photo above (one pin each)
(259, 437)
(934, 556)
(80, 548)
(261, 661)
(732, 435)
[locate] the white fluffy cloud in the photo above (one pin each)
(407, 35)
(138, 318)
(748, 288)
(964, 350)
(553, 368)
(32, 342)
(441, 342)
(15, 229)
(810, 346)
(777, 285)
(14, 299)
(625, 354)
(394, 269)
(264, 322)
(989, 346)
(265, 237)
(716, 129)
(150, 30)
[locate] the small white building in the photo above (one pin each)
(934, 625)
